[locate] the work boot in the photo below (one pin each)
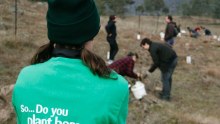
(166, 98)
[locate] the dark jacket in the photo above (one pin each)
(162, 56)
(169, 31)
(111, 29)
(207, 32)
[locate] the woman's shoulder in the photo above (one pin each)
(116, 89)
(118, 82)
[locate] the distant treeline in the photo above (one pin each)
(210, 8)
(122, 6)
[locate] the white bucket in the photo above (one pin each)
(162, 35)
(138, 36)
(138, 90)
(188, 60)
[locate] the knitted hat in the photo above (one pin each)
(72, 22)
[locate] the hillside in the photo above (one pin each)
(196, 86)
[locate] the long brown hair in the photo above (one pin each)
(94, 62)
(43, 54)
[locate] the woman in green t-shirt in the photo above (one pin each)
(66, 82)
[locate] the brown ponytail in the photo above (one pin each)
(95, 63)
(43, 54)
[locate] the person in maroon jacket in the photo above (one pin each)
(125, 66)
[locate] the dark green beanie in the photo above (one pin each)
(72, 22)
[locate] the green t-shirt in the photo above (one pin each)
(65, 91)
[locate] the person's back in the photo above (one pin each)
(197, 29)
(125, 66)
(162, 55)
(64, 89)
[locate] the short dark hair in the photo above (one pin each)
(146, 41)
(170, 17)
(133, 54)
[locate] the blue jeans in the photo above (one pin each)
(167, 78)
(170, 41)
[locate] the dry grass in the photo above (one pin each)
(196, 86)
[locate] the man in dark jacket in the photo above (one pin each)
(170, 30)
(111, 37)
(165, 58)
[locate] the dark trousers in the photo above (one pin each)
(113, 47)
(167, 79)
(170, 42)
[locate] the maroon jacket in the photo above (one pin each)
(124, 67)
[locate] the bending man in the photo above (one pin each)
(165, 58)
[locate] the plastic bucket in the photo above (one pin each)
(138, 90)
(162, 35)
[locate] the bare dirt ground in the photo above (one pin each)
(196, 86)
